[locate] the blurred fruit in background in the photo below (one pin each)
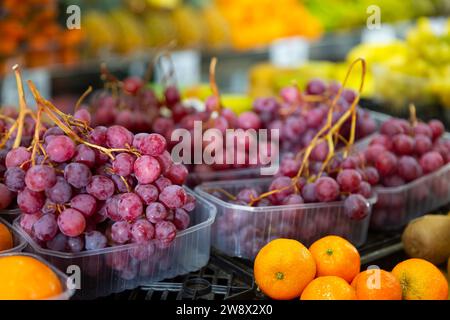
(346, 14)
(255, 25)
(32, 35)
(414, 70)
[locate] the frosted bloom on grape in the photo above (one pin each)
(173, 197)
(146, 169)
(100, 187)
(118, 137)
(60, 149)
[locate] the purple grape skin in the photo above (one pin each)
(61, 192)
(100, 187)
(95, 240)
(173, 197)
(309, 193)
(129, 206)
(327, 189)
(156, 212)
(29, 201)
(147, 192)
(121, 232)
(45, 228)
(142, 231)
(77, 174)
(40, 177)
(84, 203)
(165, 231)
(181, 219)
(60, 149)
(75, 244)
(123, 164)
(15, 179)
(356, 207)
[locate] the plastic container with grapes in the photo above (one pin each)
(396, 206)
(19, 243)
(63, 278)
(198, 178)
(241, 231)
(115, 269)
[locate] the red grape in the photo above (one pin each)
(165, 231)
(123, 164)
(40, 177)
(147, 192)
(349, 180)
(95, 240)
(84, 203)
(173, 197)
(356, 207)
(409, 169)
(60, 149)
(16, 157)
(431, 161)
(15, 179)
(78, 175)
(386, 163)
(118, 137)
(327, 189)
(30, 201)
(121, 232)
(142, 231)
(156, 212)
(100, 187)
(45, 228)
(146, 169)
(71, 222)
(61, 192)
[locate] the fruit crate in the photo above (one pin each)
(115, 269)
(396, 206)
(10, 212)
(240, 231)
(64, 279)
(19, 243)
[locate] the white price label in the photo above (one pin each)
(289, 52)
(187, 67)
(40, 78)
(438, 25)
(384, 34)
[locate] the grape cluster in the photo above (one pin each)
(102, 187)
(402, 152)
(300, 115)
(214, 115)
(8, 132)
(130, 104)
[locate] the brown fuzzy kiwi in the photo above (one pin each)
(428, 238)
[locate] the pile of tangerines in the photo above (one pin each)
(330, 269)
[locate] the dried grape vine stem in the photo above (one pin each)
(50, 111)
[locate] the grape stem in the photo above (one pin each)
(81, 99)
(50, 111)
(412, 115)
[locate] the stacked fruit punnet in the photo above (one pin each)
(318, 173)
(403, 152)
(82, 188)
(334, 181)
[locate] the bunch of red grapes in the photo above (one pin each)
(107, 187)
(403, 152)
(9, 115)
(131, 105)
(300, 115)
(214, 116)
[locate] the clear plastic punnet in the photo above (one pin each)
(396, 206)
(10, 212)
(115, 269)
(64, 279)
(241, 231)
(19, 242)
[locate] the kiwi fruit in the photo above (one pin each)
(428, 238)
